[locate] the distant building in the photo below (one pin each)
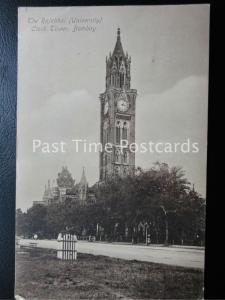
(117, 106)
(83, 187)
(64, 188)
(51, 194)
(38, 203)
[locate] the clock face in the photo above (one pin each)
(122, 105)
(106, 107)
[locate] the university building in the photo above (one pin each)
(64, 188)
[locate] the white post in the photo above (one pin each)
(60, 246)
(146, 237)
(67, 247)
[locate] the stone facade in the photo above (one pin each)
(117, 115)
(64, 188)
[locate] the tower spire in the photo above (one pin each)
(118, 50)
(83, 187)
(118, 34)
(83, 179)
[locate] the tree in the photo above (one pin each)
(36, 218)
(159, 197)
(172, 187)
(22, 226)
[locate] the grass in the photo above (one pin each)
(40, 275)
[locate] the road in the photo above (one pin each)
(176, 256)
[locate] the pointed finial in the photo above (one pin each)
(118, 33)
(83, 179)
(84, 171)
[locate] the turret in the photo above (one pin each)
(83, 187)
(118, 67)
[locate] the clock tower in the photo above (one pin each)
(117, 116)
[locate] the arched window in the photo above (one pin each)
(124, 131)
(122, 80)
(116, 60)
(117, 170)
(124, 171)
(118, 136)
(125, 157)
(117, 81)
(117, 155)
(107, 134)
(122, 73)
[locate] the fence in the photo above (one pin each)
(67, 247)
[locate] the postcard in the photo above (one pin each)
(111, 152)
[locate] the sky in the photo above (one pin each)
(61, 74)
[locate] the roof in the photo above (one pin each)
(118, 50)
(83, 180)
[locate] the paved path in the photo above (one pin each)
(177, 256)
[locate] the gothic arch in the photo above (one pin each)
(125, 157)
(106, 131)
(118, 131)
(117, 156)
(116, 61)
(117, 170)
(122, 73)
(124, 171)
(122, 79)
(105, 159)
(125, 127)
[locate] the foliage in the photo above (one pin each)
(158, 201)
(65, 179)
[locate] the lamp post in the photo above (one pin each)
(147, 235)
(166, 222)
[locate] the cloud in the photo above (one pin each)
(61, 75)
(174, 115)
(64, 115)
(178, 114)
